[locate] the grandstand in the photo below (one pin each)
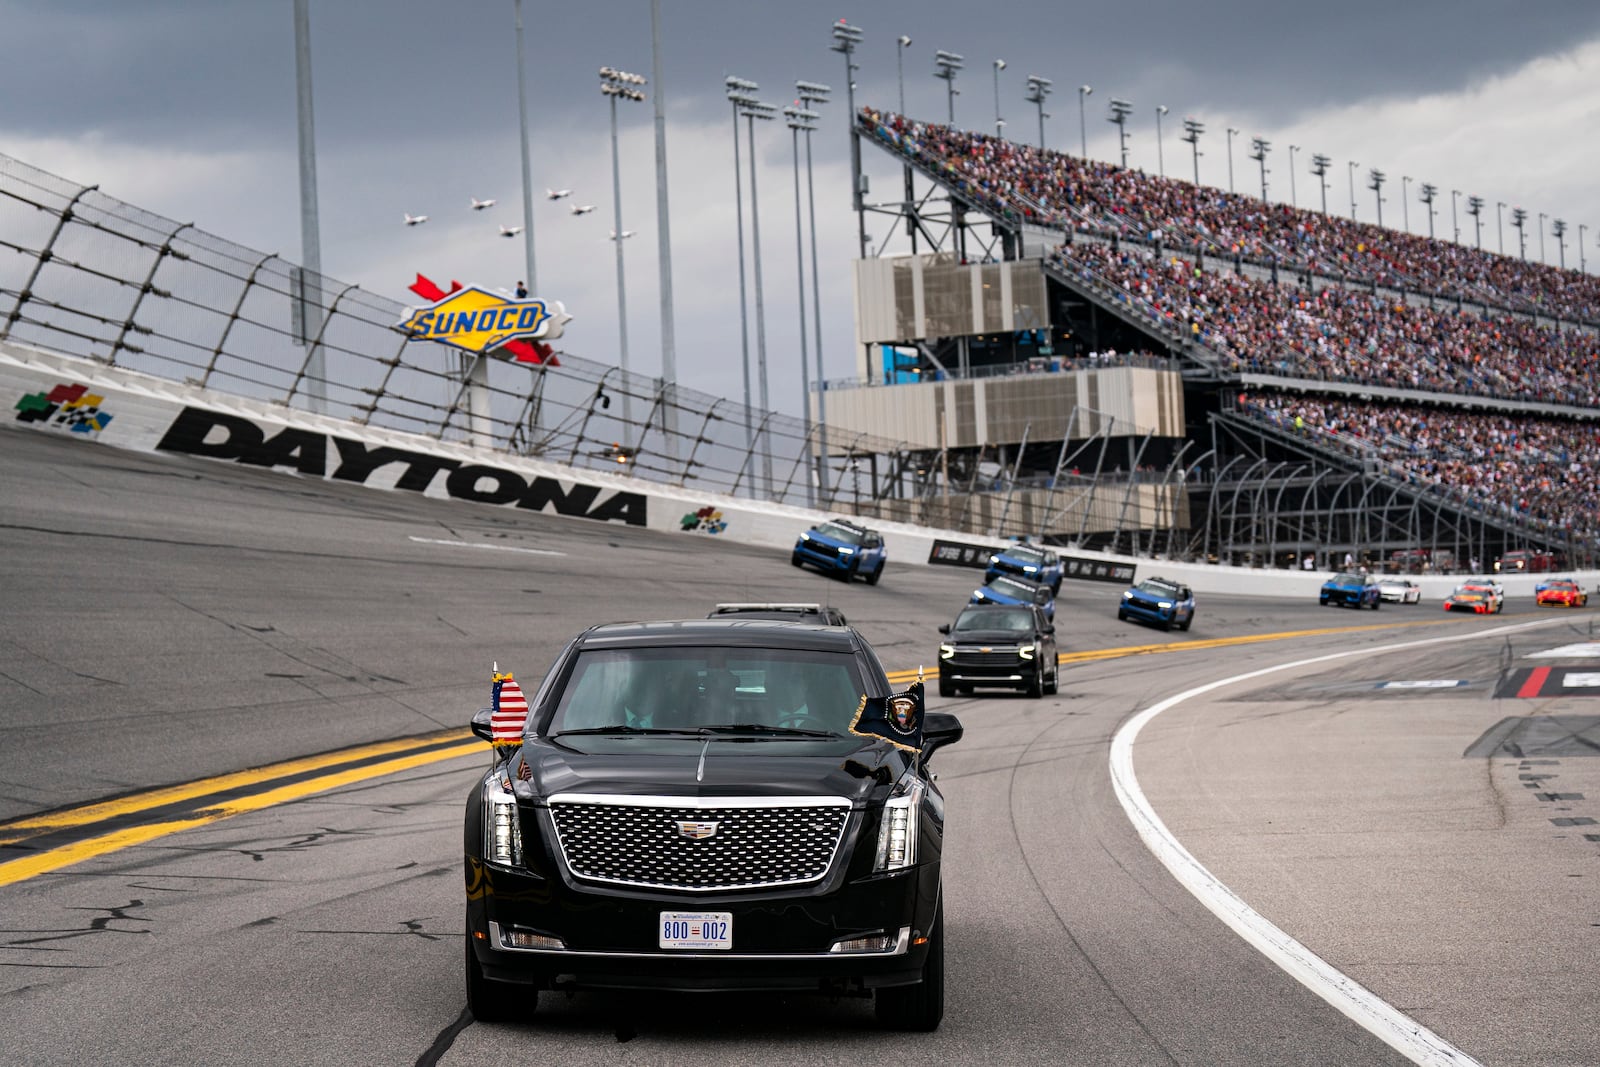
(1345, 388)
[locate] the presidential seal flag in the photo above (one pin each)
(897, 719)
(508, 711)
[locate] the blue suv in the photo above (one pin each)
(1027, 562)
(843, 549)
(1008, 590)
(1160, 601)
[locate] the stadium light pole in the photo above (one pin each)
(1191, 133)
(1293, 197)
(1319, 167)
(1519, 218)
(1231, 132)
(1583, 264)
(1405, 197)
(310, 295)
(1475, 209)
(949, 64)
(799, 118)
(811, 96)
(845, 39)
(1161, 156)
(1083, 129)
(1425, 193)
(752, 110)
(1376, 178)
(615, 84)
(740, 90)
(1259, 148)
(1120, 110)
(1038, 89)
(1455, 223)
(669, 345)
(527, 179)
(901, 45)
(1353, 166)
(999, 123)
(1542, 217)
(1500, 223)
(1559, 229)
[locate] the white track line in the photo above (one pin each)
(476, 544)
(1388, 1023)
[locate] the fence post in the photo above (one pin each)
(127, 323)
(311, 350)
(699, 439)
(45, 255)
(233, 317)
(583, 430)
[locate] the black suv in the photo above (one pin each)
(816, 614)
(690, 810)
(1010, 645)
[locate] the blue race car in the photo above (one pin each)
(1352, 590)
(1160, 601)
(1028, 563)
(1008, 590)
(843, 549)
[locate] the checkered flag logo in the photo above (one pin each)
(69, 407)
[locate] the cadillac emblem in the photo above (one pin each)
(696, 831)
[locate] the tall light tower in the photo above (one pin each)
(901, 44)
(1231, 132)
(1405, 197)
(1191, 133)
(797, 119)
(1319, 167)
(813, 95)
(1559, 229)
(1294, 199)
(1542, 217)
(1475, 209)
(1583, 264)
(1038, 89)
(1353, 166)
(753, 110)
(1375, 180)
(999, 123)
(669, 344)
(741, 91)
(1500, 223)
(1161, 157)
(1519, 218)
(949, 64)
(1083, 130)
(1120, 110)
(1426, 193)
(845, 39)
(1259, 147)
(614, 85)
(1455, 222)
(527, 179)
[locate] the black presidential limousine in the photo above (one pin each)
(711, 805)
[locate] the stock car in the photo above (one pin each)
(1351, 590)
(992, 645)
(1399, 590)
(1160, 601)
(689, 806)
(1008, 590)
(1027, 562)
(1481, 598)
(1561, 592)
(842, 549)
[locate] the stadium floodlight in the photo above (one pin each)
(1353, 166)
(1259, 147)
(1475, 209)
(1519, 217)
(1426, 194)
(949, 64)
(1559, 228)
(812, 94)
(1375, 180)
(1405, 196)
(1455, 222)
(902, 43)
(845, 39)
(1500, 223)
(1583, 264)
(1294, 200)
(1161, 159)
(1038, 89)
(1083, 130)
(615, 84)
(999, 123)
(740, 92)
(1319, 167)
(1231, 132)
(1120, 110)
(1191, 133)
(1542, 217)
(798, 118)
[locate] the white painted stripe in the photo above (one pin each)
(476, 544)
(1427, 683)
(1389, 1024)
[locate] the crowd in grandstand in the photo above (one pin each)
(1349, 335)
(1058, 188)
(1543, 470)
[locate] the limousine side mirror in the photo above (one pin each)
(481, 725)
(944, 627)
(939, 728)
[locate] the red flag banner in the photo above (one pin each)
(509, 711)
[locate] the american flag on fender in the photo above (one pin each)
(509, 711)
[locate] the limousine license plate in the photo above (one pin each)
(696, 929)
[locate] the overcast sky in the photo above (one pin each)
(188, 109)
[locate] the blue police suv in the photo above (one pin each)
(843, 549)
(1027, 562)
(1008, 590)
(1160, 601)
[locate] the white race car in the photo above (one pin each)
(1400, 590)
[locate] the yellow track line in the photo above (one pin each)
(54, 859)
(155, 798)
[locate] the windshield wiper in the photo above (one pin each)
(620, 728)
(763, 730)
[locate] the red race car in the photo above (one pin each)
(1561, 594)
(1482, 599)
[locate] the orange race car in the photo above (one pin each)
(1561, 593)
(1480, 598)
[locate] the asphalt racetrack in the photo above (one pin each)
(1422, 819)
